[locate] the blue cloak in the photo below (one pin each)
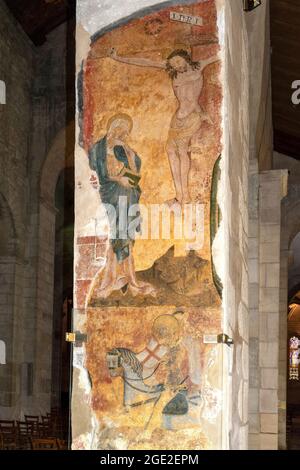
(111, 191)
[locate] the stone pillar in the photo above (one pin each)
(288, 230)
(44, 320)
(273, 187)
(282, 377)
(253, 257)
(7, 314)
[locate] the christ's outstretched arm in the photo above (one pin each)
(140, 62)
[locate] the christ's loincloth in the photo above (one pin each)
(182, 130)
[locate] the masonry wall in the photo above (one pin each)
(52, 151)
(249, 147)
(266, 190)
(236, 137)
(33, 149)
(16, 70)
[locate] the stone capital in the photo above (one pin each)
(278, 178)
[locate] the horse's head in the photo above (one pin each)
(114, 363)
(122, 361)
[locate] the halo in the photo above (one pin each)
(120, 116)
(166, 329)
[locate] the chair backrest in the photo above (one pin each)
(8, 432)
(44, 429)
(24, 428)
(44, 444)
(34, 422)
(4, 423)
(8, 429)
(31, 419)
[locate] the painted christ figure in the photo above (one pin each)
(187, 82)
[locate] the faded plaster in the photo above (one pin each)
(98, 14)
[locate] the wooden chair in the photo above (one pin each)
(44, 444)
(7, 423)
(31, 419)
(34, 421)
(62, 444)
(45, 428)
(25, 432)
(8, 433)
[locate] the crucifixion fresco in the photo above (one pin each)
(150, 99)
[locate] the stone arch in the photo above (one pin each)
(294, 291)
(59, 157)
(63, 287)
(290, 230)
(290, 227)
(292, 221)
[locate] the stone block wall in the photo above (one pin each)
(16, 70)
(52, 143)
(266, 190)
(273, 186)
(32, 132)
(236, 223)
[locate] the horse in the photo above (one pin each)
(124, 363)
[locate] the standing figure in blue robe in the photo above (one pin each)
(118, 169)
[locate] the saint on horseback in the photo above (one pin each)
(158, 374)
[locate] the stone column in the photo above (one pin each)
(273, 187)
(44, 319)
(282, 377)
(289, 227)
(253, 260)
(7, 319)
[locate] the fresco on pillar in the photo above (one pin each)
(150, 100)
